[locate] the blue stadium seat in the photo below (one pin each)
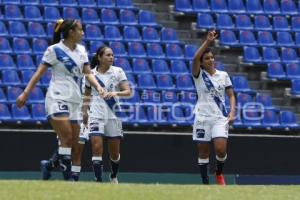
(49, 2)
(45, 79)
(124, 64)
(11, 1)
(254, 7)
(275, 71)
(4, 113)
(227, 37)
(36, 29)
(30, 2)
(178, 67)
(169, 35)
(32, 13)
(131, 33)
(118, 49)
(131, 79)
(176, 116)
(38, 112)
(147, 18)
(3, 98)
(90, 16)
(262, 22)
(112, 33)
(124, 4)
(135, 98)
(36, 96)
(240, 84)
(280, 23)
(150, 96)
(295, 89)
(169, 97)
(236, 6)
(190, 51)
(136, 49)
(288, 119)
(289, 55)
(183, 6)
(87, 3)
(200, 6)
(94, 45)
(39, 46)
(150, 35)
(244, 100)
(106, 3)
(70, 3)
(271, 7)
(24, 61)
(12, 12)
(17, 29)
(71, 13)
(146, 81)
(188, 97)
(164, 81)
(243, 22)
(295, 23)
(109, 16)
(205, 21)
(3, 29)
(93, 32)
(247, 38)
(154, 50)
(5, 46)
(219, 66)
(270, 54)
(174, 51)
(20, 114)
(127, 17)
(26, 76)
(13, 93)
(288, 7)
(284, 39)
(218, 6)
(251, 118)
(297, 39)
(38, 59)
(265, 100)
(224, 21)
(160, 66)
(140, 65)
(293, 71)
(270, 120)
(265, 38)
(184, 82)
(21, 45)
(10, 77)
(51, 14)
(6, 62)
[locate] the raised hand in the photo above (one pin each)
(212, 35)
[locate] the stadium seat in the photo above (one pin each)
(94, 45)
(30, 2)
(247, 38)
(178, 67)
(270, 120)
(38, 59)
(118, 49)
(5, 46)
(71, 13)
(49, 2)
(218, 6)
(131, 33)
(112, 33)
(127, 17)
(135, 98)
(131, 79)
(184, 82)
(51, 14)
(150, 35)
(254, 7)
(236, 6)
(205, 21)
(297, 39)
(289, 55)
(154, 50)
(4, 113)
(224, 21)
(275, 71)
(244, 100)
(10, 77)
(93, 32)
(24, 61)
(295, 89)
(21, 46)
(20, 114)
(90, 16)
(243, 22)
(70, 3)
(36, 29)
(32, 13)
(12, 12)
(169, 97)
(3, 29)
(284, 39)
(219, 66)
(270, 54)
(136, 49)
(280, 23)
(188, 97)
(174, 51)
(262, 22)
(190, 51)
(124, 64)
(164, 81)
(39, 46)
(160, 66)
(38, 112)
(87, 3)
(251, 118)
(150, 96)
(45, 79)
(183, 6)
(146, 81)
(13, 93)
(176, 116)
(288, 119)
(200, 6)
(227, 37)
(265, 100)
(265, 38)
(36, 96)
(17, 29)
(127, 4)
(6, 62)
(3, 98)
(240, 84)
(26, 76)
(109, 16)
(271, 7)
(295, 23)
(106, 3)
(140, 65)
(288, 7)
(293, 71)
(168, 35)
(147, 18)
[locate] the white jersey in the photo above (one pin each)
(206, 105)
(110, 80)
(67, 66)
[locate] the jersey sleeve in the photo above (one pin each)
(85, 57)
(87, 83)
(121, 75)
(227, 80)
(49, 57)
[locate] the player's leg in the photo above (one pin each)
(48, 165)
(77, 149)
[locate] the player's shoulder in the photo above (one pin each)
(81, 48)
(116, 69)
(222, 73)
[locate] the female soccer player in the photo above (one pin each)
(211, 117)
(102, 120)
(68, 61)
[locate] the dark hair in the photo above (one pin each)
(62, 27)
(99, 52)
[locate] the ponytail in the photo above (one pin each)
(57, 31)
(62, 27)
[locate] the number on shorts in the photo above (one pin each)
(200, 133)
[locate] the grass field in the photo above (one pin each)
(33, 190)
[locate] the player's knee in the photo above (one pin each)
(115, 156)
(221, 154)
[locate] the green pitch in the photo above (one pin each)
(89, 190)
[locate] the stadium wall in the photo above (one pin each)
(161, 153)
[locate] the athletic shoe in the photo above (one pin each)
(46, 173)
(114, 180)
(205, 181)
(220, 179)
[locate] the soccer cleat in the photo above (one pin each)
(205, 181)
(113, 180)
(46, 173)
(220, 179)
